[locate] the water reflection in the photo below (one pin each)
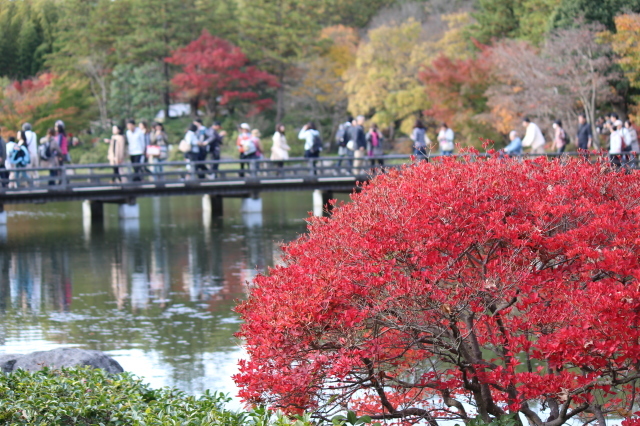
(156, 292)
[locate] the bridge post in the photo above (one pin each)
(92, 211)
(252, 204)
(3, 215)
(129, 210)
(320, 201)
(212, 205)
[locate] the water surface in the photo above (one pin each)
(156, 293)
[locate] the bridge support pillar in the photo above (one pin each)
(92, 211)
(212, 205)
(130, 210)
(321, 201)
(251, 205)
(3, 216)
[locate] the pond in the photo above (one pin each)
(157, 294)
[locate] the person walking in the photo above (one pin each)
(533, 137)
(31, 144)
(136, 144)
(312, 143)
(63, 142)
(19, 157)
(343, 136)
(560, 139)
(191, 138)
(584, 136)
(421, 142)
(445, 139)
(50, 155)
(4, 175)
(632, 134)
(9, 167)
(616, 144)
(374, 144)
(158, 150)
(202, 134)
(279, 149)
(214, 144)
(116, 153)
(246, 146)
(358, 141)
(515, 144)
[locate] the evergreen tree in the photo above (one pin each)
(569, 12)
(279, 34)
(8, 38)
(29, 40)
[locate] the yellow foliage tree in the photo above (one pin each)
(626, 44)
(384, 81)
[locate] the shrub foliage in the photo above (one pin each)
(453, 289)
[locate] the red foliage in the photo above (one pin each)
(214, 71)
(450, 289)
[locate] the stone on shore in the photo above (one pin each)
(57, 358)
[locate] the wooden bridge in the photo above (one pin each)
(97, 184)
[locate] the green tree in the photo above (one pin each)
(29, 40)
(279, 34)
(522, 19)
(603, 11)
(136, 91)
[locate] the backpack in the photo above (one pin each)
(184, 146)
(20, 156)
(342, 135)
(248, 146)
(44, 151)
(317, 143)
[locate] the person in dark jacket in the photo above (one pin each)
(4, 175)
(359, 139)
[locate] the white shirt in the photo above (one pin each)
(615, 143)
(445, 137)
(533, 137)
(136, 142)
(307, 137)
(193, 141)
(32, 146)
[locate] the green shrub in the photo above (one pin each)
(93, 397)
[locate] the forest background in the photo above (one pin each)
(479, 65)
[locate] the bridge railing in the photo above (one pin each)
(125, 175)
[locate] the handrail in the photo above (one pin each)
(131, 175)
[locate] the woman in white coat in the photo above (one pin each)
(280, 149)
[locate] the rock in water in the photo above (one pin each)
(56, 358)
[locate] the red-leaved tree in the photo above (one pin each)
(452, 289)
(215, 73)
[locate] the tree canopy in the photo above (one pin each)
(452, 288)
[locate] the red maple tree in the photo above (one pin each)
(452, 289)
(215, 72)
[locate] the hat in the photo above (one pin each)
(618, 123)
(245, 126)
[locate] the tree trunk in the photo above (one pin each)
(167, 93)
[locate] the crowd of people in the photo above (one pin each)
(23, 153)
(620, 137)
(144, 148)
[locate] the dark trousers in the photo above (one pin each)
(53, 174)
(215, 156)
(251, 156)
(136, 160)
(4, 175)
(310, 154)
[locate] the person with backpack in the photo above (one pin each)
(312, 143)
(343, 135)
(19, 157)
(50, 155)
(560, 138)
